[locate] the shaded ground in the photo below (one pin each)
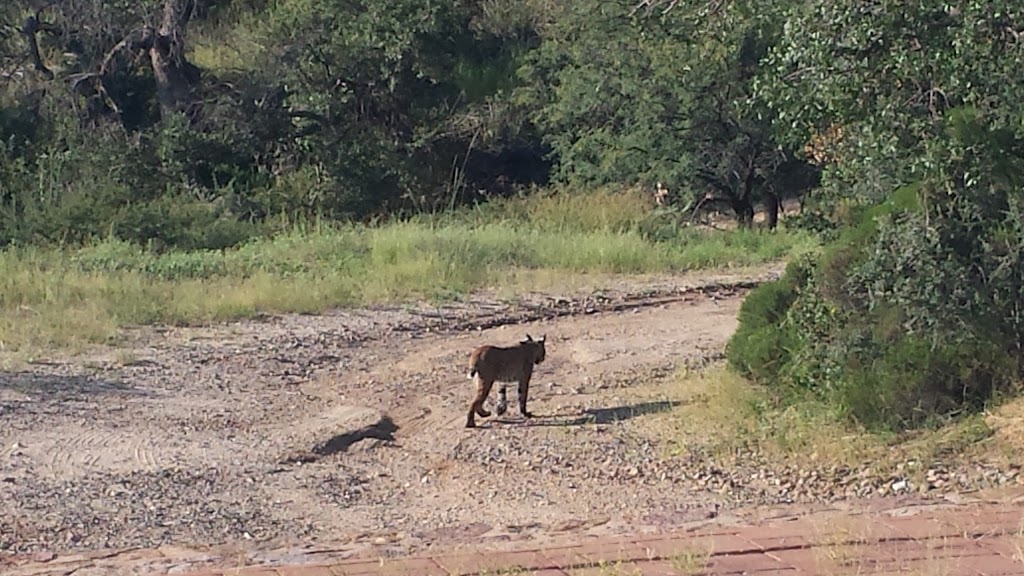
(348, 428)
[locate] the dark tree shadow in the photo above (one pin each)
(384, 430)
(600, 415)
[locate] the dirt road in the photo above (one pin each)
(348, 428)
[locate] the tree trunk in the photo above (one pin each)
(742, 205)
(744, 210)
(30, 29)
(771, 206)
(167, 55)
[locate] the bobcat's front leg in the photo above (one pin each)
(524, 391)
(502, 405)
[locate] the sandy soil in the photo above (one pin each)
(348, 427)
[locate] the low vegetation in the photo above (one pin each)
(723, 416)
(53, 297)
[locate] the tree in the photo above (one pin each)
(730, 146)
(339, 109)
(912, 315)
(394, 96)
(627, 92)
(89, 43)
(886, 75)
(603, 90)
(125, 135)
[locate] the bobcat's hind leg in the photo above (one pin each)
(483, 389)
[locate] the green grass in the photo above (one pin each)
(51, 297)
(234, 41)
(725, 416)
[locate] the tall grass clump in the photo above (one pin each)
(558, 210)
(52, 297)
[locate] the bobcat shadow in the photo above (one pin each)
(600, 415)
(384, 430)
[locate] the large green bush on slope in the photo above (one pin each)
(915, 313)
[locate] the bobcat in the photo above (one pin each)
(490, 364)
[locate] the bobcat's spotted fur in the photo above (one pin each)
(489, 364)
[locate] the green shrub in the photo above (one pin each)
(911, 316)
(912, 383)
(662, 225)
(815, 222)
(761, 346)
(760, 353)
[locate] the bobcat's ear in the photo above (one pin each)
(528, 339)
(542, 337)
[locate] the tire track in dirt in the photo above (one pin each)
(548, 308)
(432, 423)
(573, 458)
(590, 339)
(72, 452)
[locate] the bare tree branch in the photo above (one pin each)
(649, 5)
(30, 28)
(666, 6)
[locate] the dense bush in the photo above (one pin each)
(763, 341)
(243, 115)
(911, 314)
(914, 314)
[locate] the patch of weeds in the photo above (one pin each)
(723, 414)
(511, 571)
(690, 562)
(936, 562)
(837, 545)
(1005, 443)
(616, 568)
(1018, 544)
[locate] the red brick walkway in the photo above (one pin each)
(986, 539)
(977, 539)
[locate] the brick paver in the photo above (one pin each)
(980, 539)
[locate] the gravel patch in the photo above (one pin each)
(348, 427)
